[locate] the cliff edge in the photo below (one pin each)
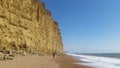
(26, 26)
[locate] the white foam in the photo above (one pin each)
(98, 62)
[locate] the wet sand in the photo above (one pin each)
(69, 62)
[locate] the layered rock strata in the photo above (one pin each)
(25, 25)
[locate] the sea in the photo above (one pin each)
(98, 60)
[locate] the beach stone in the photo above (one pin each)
(1, 56)
(24, 53)
(8, 57)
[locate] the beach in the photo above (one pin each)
(30, 62)
(41, 62)
(66, 61)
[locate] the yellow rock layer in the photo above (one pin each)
(26, 25)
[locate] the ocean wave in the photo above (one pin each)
(98, 62)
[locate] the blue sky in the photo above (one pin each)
(88, 26)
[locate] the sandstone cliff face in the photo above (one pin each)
(25, 25)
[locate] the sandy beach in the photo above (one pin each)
(41, 62)
(30, 62)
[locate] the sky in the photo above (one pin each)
(87, 26)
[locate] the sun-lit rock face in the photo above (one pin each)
(25, 25)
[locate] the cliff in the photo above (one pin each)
(26, 26)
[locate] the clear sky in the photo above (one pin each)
(88, 26)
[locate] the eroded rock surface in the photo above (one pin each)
(25, 25)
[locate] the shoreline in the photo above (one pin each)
(66, 61)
